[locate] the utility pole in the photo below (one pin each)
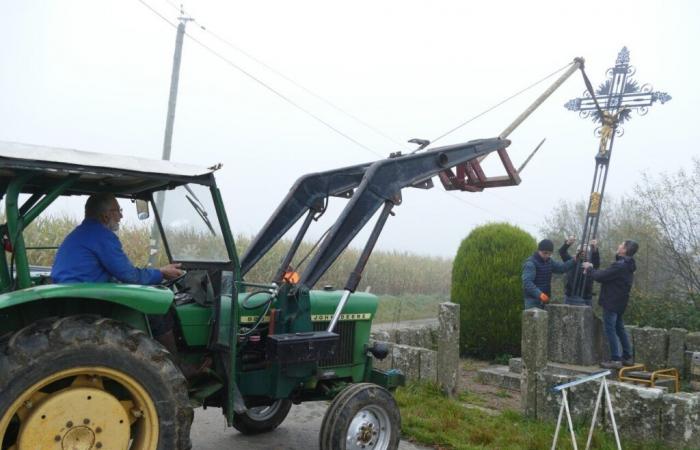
(169, 123)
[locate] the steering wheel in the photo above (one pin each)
(170, 283)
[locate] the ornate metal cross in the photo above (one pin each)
(616, 98)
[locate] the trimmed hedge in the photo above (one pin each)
(486, 282)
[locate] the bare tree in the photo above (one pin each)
(621, 219)
(672, 202)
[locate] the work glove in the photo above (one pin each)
(544, 298)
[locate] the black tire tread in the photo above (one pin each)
(331, 412)
(41, 345)
(336, 414)
(248, 426)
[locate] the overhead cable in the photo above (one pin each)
(262, 83)
(292, 81)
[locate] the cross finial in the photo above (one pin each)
(619, 95)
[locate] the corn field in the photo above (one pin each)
(387, 272)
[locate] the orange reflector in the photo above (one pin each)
(291, 277)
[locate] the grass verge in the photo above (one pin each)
(430, 418)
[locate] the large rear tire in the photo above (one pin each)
(362, 417)
(262, 419)
(89, 382)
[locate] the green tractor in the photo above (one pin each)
(79, 368)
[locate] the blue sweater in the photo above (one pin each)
(92, 253)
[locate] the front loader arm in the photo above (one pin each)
(381, 185)
(308, 194)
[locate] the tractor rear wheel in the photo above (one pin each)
(362, 417)
(262, 419)
(85, 382)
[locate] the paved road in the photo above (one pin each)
(298, 432)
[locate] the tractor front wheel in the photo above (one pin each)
(362, 417)
(85, 382)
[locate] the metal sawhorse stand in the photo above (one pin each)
(565, 407)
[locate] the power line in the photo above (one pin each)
(309, 113)
(262, 83)
(294, 82)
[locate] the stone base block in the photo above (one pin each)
(581, 398)
(548, 403)
(575, 335)
(637, 411)
(407, 360)
(499, 376)
(425, 338)
(428, 365)
(651, 347)
(680, 424)
(676, 348)
(407, 336)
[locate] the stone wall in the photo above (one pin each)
(429, 352)
(641, 413)
(576, 336)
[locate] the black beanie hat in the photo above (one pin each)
(546, 245)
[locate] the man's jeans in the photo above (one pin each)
(614, 329)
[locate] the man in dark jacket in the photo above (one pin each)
(537, 275)
(587, 294)
(615, 284)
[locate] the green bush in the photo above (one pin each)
(667, 310)
(486, 283)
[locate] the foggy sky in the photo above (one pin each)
(94, 75)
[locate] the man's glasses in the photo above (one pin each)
(119, 210)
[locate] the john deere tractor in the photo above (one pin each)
(79, 368)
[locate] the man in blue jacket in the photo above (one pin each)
(537, 274)
(92, 252)
(615, 285)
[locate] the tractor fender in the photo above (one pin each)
(145, 299)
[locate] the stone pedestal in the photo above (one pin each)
(448, 348)
(533, 346)
(575, 335)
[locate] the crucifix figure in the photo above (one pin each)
(609, 106)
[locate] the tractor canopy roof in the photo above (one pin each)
(96, 172)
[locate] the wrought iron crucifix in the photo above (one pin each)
(610, 105)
